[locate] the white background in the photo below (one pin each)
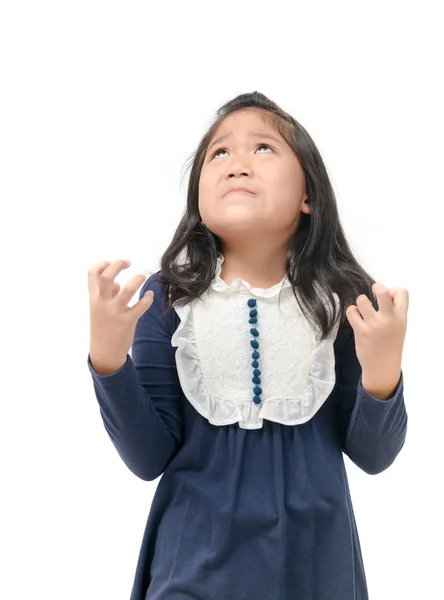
(101, 105)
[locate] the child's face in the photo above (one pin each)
(272, 172)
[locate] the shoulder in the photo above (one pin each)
(159, 307)
(155, 283)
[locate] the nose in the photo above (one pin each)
(238, 165)
(237, 174)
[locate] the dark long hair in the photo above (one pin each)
(318, 251)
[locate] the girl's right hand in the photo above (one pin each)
(112, 322)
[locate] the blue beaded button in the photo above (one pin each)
(255, 355)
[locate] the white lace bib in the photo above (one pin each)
(214, 355)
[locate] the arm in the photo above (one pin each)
(372, 430)
(140, 403)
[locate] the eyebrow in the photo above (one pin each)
(256, 134)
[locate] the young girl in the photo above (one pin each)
(264, 355)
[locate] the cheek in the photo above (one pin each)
(284, 201)
(207, 189)
(204, 196)
(203, 184)
(289, 189)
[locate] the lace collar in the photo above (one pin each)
(219, 285)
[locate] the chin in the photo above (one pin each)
(238, 225)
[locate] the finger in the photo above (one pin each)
(93, 275)
(143, 305)
(383, 296)
(106, 278)
(400, 299)
(129, 290)
(365, 307)
(354, 316)
(116, 289)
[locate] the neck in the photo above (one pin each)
(261, 268)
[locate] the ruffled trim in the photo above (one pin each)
(226, 411)
(219, 285)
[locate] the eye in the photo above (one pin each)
(260, 146)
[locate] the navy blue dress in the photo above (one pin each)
(244, 514)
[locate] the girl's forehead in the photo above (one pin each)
(254, 131)
(251, 120)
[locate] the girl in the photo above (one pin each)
(256, 363)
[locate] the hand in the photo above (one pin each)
(380, 335)
(112, 322)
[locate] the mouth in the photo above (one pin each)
(239, 191)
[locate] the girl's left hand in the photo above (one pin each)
(380, 334)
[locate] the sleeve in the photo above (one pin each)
(372, 431)
(140, 404)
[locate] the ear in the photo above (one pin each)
(305, 208)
